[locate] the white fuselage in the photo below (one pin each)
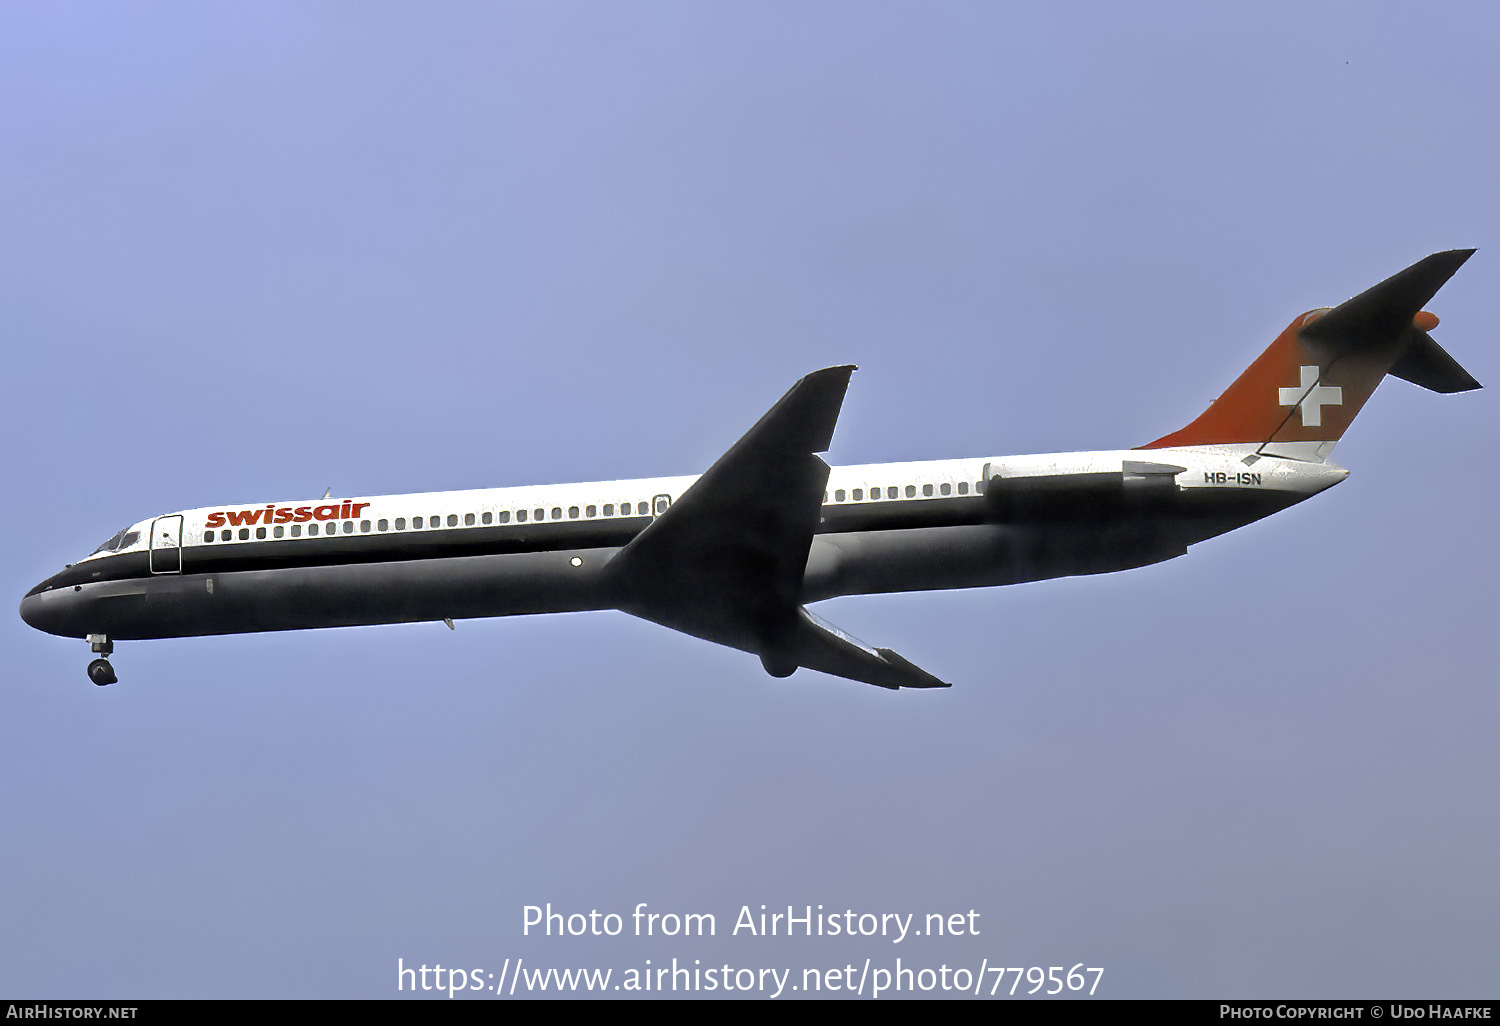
(546, 548)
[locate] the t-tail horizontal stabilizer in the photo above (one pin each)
(725, 562)
(1428, 364)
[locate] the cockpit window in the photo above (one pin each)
(112, 544)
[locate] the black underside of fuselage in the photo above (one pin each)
(457, 573)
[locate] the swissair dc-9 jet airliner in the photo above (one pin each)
(735, 555)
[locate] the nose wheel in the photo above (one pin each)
(100, 671)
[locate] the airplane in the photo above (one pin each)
(736, 555)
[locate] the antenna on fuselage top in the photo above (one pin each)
(328, 491)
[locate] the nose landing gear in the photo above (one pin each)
(100, 671)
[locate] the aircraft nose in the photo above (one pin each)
(31, 611)
(46, 610)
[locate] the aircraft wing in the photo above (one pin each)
(725, 562)
(822, 646)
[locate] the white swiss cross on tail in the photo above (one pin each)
(1311, 397)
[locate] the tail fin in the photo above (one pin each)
(1300, 395)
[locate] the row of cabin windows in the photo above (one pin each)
(504, 516)
(894, 491)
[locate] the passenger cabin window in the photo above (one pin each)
(349, 526)
(874, 493)
(364, 526)
(279, 532)
(296, 530)
(505, 516)
(452, 519)
(468, 520)
(609, 509)
(416, 522)
(488, 518)
(383, 525)
(572, 512)
(859, 495)
(244, 534)
(591, 511)
(400, 523)
(539, 514)
(963, 488)
(945, 488)
(911, 491)
(927, 489)
(556, 512)
(838, 496)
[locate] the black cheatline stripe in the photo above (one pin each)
(395, 546)
(399, 546)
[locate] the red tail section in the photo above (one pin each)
(1308, 386)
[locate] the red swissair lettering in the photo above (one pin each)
(285, 514)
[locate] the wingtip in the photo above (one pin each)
(914, 675)
(845, 369)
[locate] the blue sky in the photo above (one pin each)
(254, 252)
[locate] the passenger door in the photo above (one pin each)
(166, 545)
